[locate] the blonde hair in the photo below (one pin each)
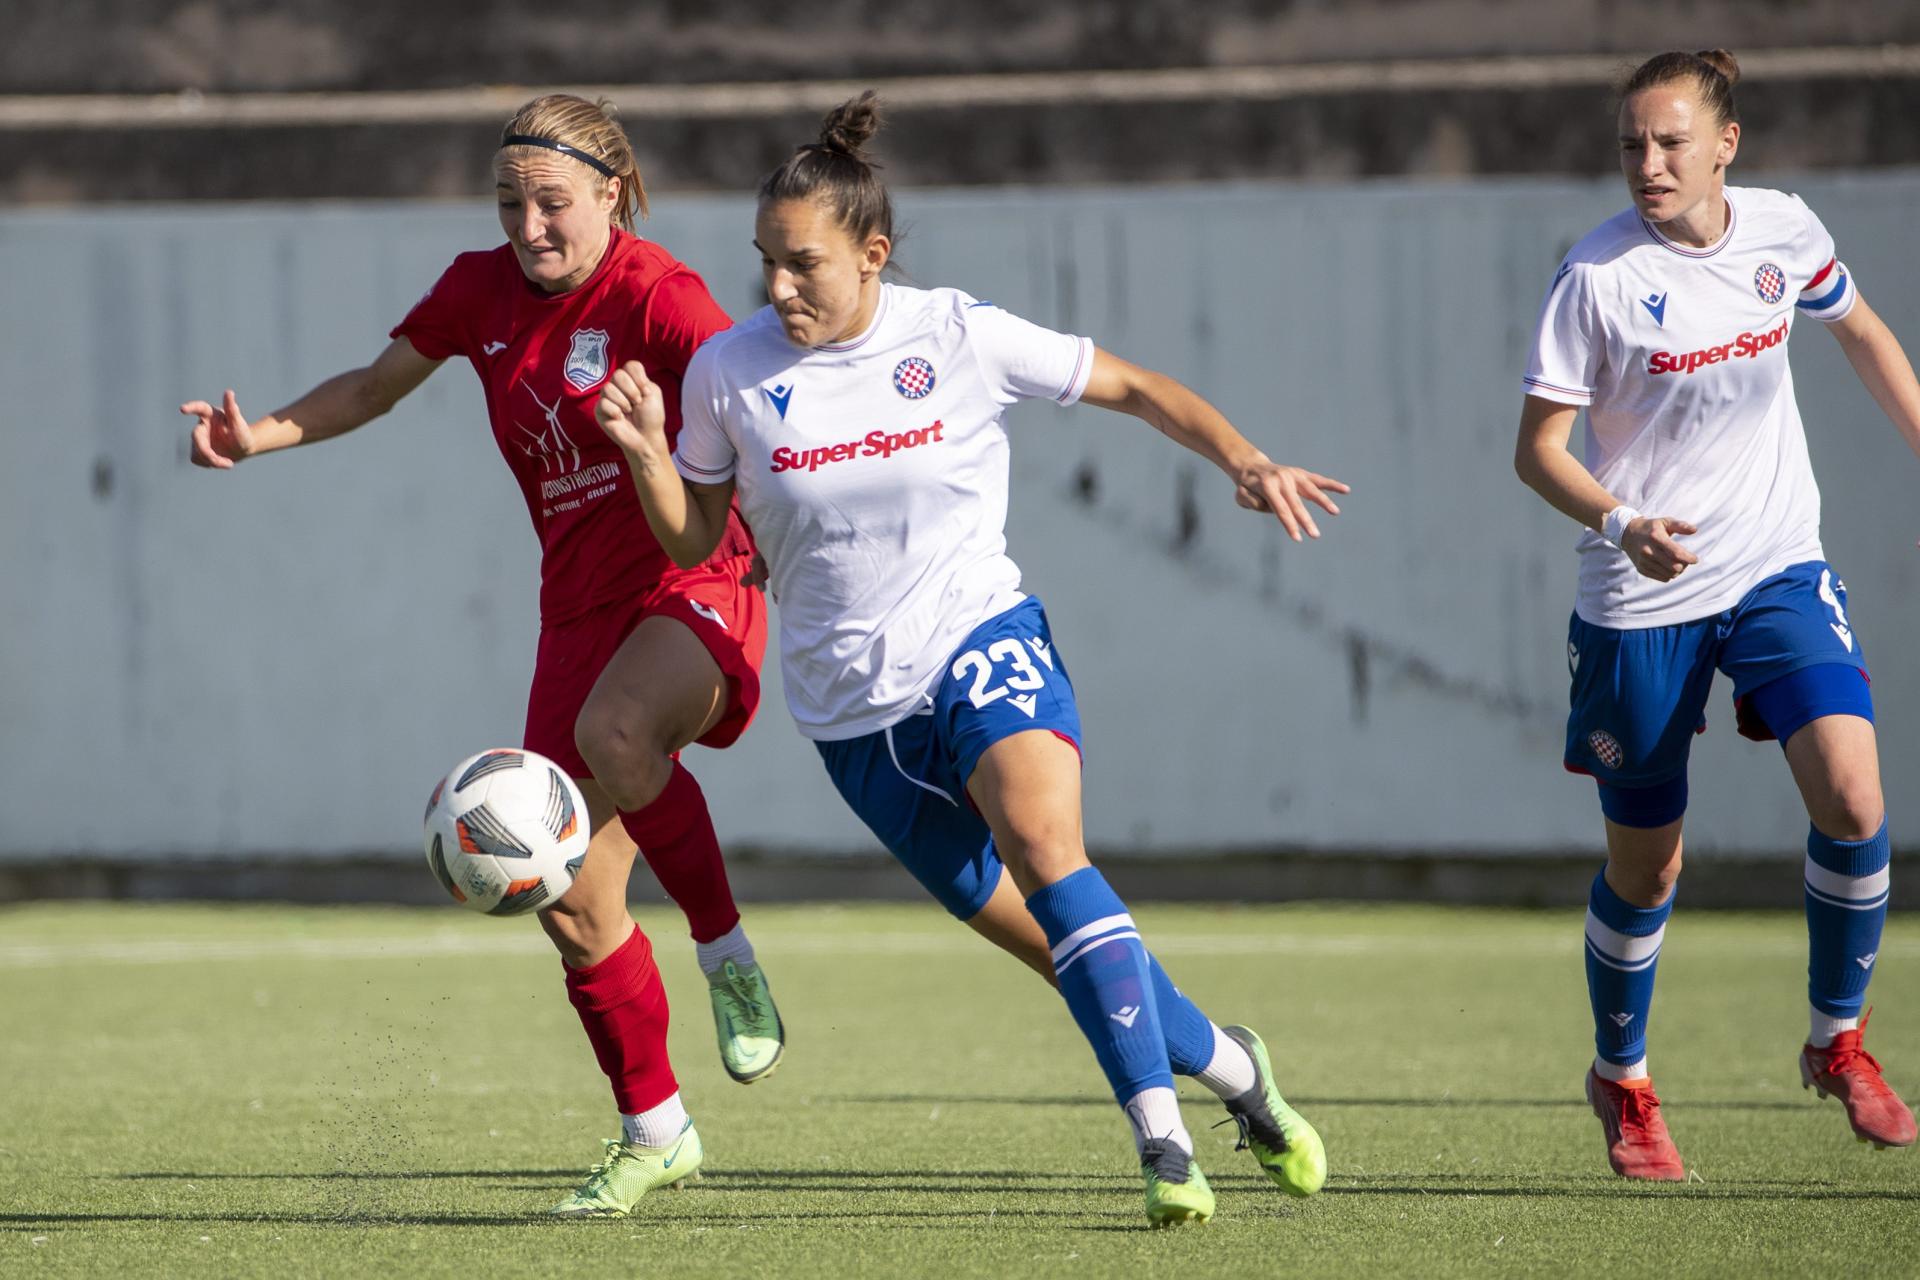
(590, 129)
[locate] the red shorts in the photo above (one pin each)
(730, 619)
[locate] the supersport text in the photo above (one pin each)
(875, 444)
(1746, 346)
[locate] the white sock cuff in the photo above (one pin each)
(1230, 1073)
(731, 945)
(656, 1126)
(1823, 1027)
(1617, 1073)
(1155, 1113)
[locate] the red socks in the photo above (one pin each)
(675, 835)
(623, 1006)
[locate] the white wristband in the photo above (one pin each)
(1614, 527)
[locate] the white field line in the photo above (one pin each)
(451, 945)
(192, 109)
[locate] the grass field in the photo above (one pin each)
(387, 1091)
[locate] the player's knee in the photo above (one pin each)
(1643, 871)
(624, 757)
(585, 929)
(1851, 809)
(1644, 884)
(1039, 859)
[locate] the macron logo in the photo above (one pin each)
(780, 396)
(1621, 1019)
(1656, 305)
(1866, 961)
(1125, 1017)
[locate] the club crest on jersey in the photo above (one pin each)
(586, 366)
(1770, 282)
(1607, 748)
(913, 378)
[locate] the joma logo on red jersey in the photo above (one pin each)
(875, 444)
(1744, 347)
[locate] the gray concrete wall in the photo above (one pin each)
(283, 659)
(160, 46)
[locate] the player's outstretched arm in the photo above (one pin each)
(1184, 416)
(687, 518)
(1883, 367)
(1549, 468)
(222, 435)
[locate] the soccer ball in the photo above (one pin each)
(506, 832)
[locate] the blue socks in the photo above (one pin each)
(1189, 1032)
(1623, 946)
(1108, 981)
(1847, 887)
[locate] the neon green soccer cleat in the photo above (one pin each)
(1280, 1138)
(1177, 1191)
(752, 1037)
(618, 1182)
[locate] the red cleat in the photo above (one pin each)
(1637, 1141)
(1847, 1071)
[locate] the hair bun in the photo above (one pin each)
(1723, 62)
(849, 126)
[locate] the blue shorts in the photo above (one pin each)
(1640, 696)
(908, 782)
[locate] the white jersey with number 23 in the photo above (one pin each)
(874, 475)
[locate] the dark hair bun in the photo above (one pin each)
(1723, 62)
(849, 126)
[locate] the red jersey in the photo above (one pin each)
(542, 358)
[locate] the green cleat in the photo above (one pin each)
(616, 1184)
(1177, 1191)
(752, 1037)
(1280, 1138)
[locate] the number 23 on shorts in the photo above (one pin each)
(1007, 658)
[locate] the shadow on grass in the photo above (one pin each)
(378, 1218)
(972, 1184)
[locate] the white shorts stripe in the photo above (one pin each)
(924, 786)
(1061, 966)
(1085, 931)
(1621, 950)
(1838, 884)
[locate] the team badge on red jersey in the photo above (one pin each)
(1770, 282)
(587, 359)
(913, 378)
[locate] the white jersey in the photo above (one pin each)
(874, 475)
(1680, 356)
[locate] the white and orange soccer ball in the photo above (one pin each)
(506, 832)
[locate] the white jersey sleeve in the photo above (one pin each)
(704, 454)
(1826, 289)
(1567, 343)
(1020, 360)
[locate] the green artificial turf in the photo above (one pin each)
(368, 1091)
